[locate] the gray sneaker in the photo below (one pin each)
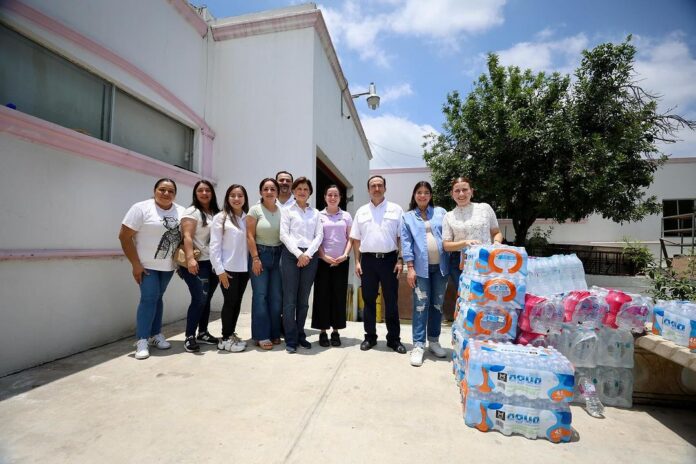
(437, 350)
(159, 342)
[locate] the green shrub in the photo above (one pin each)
(638, 254)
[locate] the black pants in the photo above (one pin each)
(232, 301)
(330, 289)
(376, 271)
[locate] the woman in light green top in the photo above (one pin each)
(263, 240)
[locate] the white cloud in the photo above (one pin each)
(395, 141)
(359, 25)
(562, 55)
(444, 18)
(668, 68)
(395, 92)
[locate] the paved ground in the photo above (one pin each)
(329, 405)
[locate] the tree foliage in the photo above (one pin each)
(543, 146)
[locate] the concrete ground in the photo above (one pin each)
(329, 405)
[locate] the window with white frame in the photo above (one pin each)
(39, 82)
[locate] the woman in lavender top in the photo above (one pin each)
(331, 281)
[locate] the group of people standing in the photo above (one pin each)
(285, 246)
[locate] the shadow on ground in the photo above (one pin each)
(29, 379)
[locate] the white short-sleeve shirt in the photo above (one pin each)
(201, 238)
(377, 227)
(158, 234)
(471, 222)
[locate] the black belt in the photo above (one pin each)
(380, 255)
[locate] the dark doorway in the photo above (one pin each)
(325, 178)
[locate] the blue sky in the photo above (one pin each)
(416, 51)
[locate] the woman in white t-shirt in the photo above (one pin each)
(466, 225)
(229, 256)
(198, 274)
(149, 237)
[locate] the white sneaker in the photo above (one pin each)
(417, 356)
(437, 350)
(159, 342)
(235, 338)
(141, 349)
(231, 345)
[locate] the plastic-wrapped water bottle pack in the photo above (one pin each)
(532, 418)
(555, 274)
(515, 370)
(517, 389)
(676, 321)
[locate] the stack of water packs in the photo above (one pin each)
(597, 337)
(491, 289)
(517, 389)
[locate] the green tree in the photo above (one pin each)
(537, 146)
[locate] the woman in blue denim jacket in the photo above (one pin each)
(428, 269)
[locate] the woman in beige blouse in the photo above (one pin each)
(467, 224)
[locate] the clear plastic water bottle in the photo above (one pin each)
(578, 273)
(594, 407)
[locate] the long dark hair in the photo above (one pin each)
(423, 183)
(214, 208)
(229, 212)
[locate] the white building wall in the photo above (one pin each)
(336, 136)
(675, 180)
(261, 106)
(57, 200)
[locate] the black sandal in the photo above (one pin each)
(335, 339)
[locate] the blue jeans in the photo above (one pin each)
(297, 283)
(267, 294)
(201, 287)
(149, 316)
(454, 271)
(427, 305)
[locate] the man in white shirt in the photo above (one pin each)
(285, 180)
(375, 234)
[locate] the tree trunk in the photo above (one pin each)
(521, 226)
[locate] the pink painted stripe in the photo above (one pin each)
(191, 17)
(265, 25)
(37, 255)
(46, 133)
(54, 26)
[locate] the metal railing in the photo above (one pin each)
(688, 233)
(595, 259)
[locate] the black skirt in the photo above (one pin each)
(330, 293)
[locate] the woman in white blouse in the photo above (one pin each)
(229, 257)
(198, 273)
(466, 225)
(301, 232)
